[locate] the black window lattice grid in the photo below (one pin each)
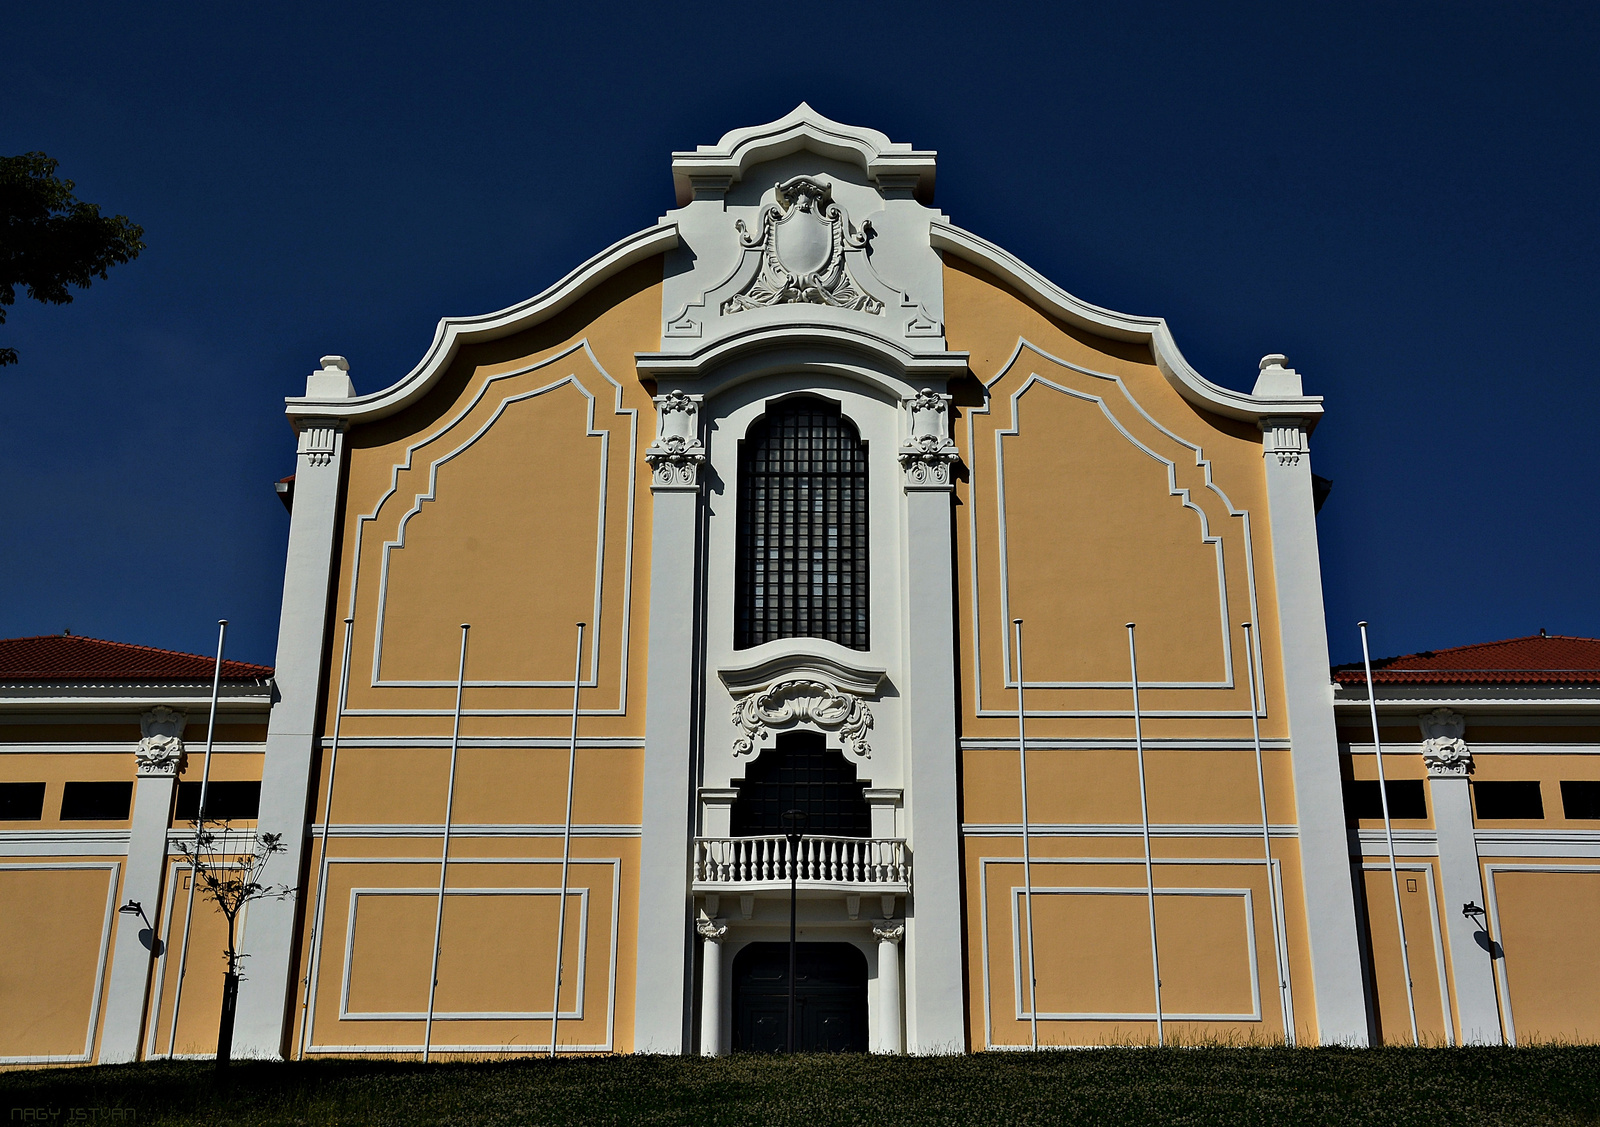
(802, 773)
(802, 568)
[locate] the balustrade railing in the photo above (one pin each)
(819, 860)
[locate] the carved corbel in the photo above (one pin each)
(928, 456)
(677, 454)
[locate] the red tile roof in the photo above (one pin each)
(1535, 660)
(65, 657)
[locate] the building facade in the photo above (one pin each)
(774, 548)
(102, 748)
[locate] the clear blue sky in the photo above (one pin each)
(1401, 197)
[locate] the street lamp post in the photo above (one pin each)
(794, 824)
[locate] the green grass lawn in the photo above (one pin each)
(1232, 1086)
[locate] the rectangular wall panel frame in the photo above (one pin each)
(608, 1046)
(102, 964)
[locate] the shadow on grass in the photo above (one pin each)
(1197, 1085)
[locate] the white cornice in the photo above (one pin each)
(1519, 697)
(886, 162)
(804, 345)
(801, 658)
(132, 697)
(453, 332)
(1121, 326)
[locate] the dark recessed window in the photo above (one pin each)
(21, 802)
(801, 772)
(1407, 799)
(1580, 798)
(1508, 800)
(223, 801)
(96, 802)
(802, 564)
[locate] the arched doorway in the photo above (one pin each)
(830, 998)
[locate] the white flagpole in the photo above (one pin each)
(1266, 836)
(1027, 860)
(1388, 833)
(1144, 816)
(322, 866)
(200, 821)
(444, 854)
(566, 840)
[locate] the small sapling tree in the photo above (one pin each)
(228, 865)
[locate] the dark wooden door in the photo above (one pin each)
(830, 998)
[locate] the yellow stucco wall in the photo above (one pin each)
(1087, 504)
(515, 497)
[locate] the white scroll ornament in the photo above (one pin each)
(787, 703)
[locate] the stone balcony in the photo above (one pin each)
(830, 864)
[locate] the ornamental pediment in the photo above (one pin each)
(804, 220)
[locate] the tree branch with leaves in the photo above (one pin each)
(50, 239)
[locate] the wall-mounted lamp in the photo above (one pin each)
(132, 908)
(1471, 910)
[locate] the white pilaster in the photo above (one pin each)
(935, 1010)
(714, 1016)
(661, 1012)
(1449, 763)
(1336, 969)
(886, 1038)
(265, 995)
(158, 760)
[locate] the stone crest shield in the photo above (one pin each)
(803, 238)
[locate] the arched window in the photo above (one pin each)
(802, 567)
(801, 772)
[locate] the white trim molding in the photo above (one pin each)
(1121, 326)
(454, 332)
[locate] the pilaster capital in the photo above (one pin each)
(319, 439)
(712, 930)
(676, 455)
(1444, 751)
(889, 931)
(159, 757)
(928, 456)
(1447, 758)
(1284, 439)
